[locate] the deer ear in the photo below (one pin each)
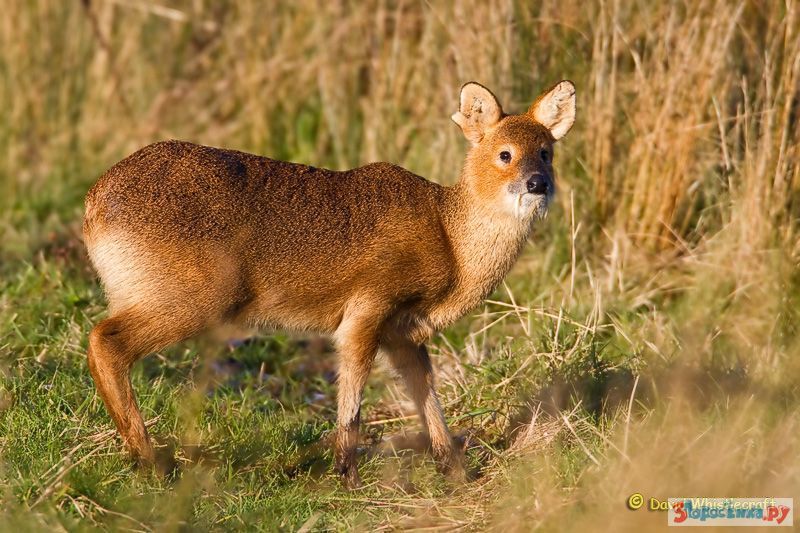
(555, 109)
(478, 111)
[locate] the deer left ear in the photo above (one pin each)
(555, 109)
(478, 111)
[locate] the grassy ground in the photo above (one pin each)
(646, 342)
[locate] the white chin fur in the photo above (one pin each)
(531, 206)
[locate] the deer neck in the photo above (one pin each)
(486, 242)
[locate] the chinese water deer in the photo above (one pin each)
(186, 238)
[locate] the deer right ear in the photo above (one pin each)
(479, 110)
(555, 108)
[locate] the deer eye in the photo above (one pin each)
(505, 156)
(545, 156)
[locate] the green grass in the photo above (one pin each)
(244, 432)
(248, 427)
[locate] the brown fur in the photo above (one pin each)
(187, 238)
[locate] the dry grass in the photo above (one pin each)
(685, 108)
(646, 342)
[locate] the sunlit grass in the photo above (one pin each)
(646, 342)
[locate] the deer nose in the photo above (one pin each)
(538, 184)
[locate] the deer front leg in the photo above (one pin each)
(357, 344)
(413, 364)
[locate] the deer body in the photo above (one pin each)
(186, 238)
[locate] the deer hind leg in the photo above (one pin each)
(357, 345)
(115, 344)
(413, 363)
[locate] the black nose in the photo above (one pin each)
(537, 184)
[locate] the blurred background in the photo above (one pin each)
(646, 342)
